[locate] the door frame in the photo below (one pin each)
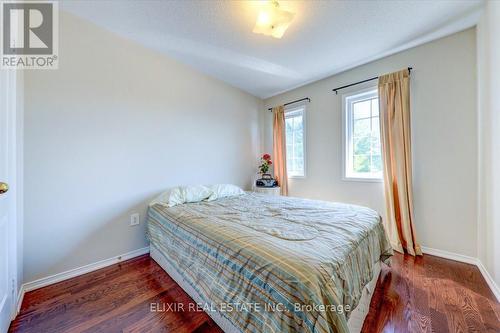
(15, 116)
(17, 166)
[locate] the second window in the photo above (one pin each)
(295, 141)
(363, 157)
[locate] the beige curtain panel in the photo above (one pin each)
(279, 149)
(394, 97)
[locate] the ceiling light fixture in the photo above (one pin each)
(272, 21)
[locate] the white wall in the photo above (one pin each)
(111, 128)
(489, 139)
(444, 131)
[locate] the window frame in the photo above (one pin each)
(347, 128)
(292, 109)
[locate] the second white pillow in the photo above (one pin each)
(224, 190)
(183, 194)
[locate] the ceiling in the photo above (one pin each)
(325, 37)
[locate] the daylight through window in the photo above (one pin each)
(363, 157)
(295, 141)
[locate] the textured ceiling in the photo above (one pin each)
(325, 37)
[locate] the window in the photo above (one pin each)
(295, 141)
(362, 153)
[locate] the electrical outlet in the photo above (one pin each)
(134, 219)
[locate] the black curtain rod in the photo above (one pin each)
(359, 82)
(299, 100)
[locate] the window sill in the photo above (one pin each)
(363, 180)
(296, 177)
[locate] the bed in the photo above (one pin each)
(258, 263)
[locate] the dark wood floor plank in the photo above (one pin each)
(414, 295)
(117, 293)
(441, 296)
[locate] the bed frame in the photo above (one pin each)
(355, 322)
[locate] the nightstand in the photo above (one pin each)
(267, 190)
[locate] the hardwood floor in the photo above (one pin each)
(426, 294)
(431, 294)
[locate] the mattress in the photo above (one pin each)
(356, 318)
(272, 264)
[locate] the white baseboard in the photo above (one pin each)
(43, 282)
(468, 260)
(20, 297)
(489, 280)
(450, 255)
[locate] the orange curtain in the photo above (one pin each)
(279, 149)
(394, 97)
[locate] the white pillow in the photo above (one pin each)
(224, 190)
(162, 199)
(183, 194)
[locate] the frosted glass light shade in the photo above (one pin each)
(272, 21)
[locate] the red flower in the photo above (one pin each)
(269, 162)
(266, 157)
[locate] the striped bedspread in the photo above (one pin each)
(273, 264)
